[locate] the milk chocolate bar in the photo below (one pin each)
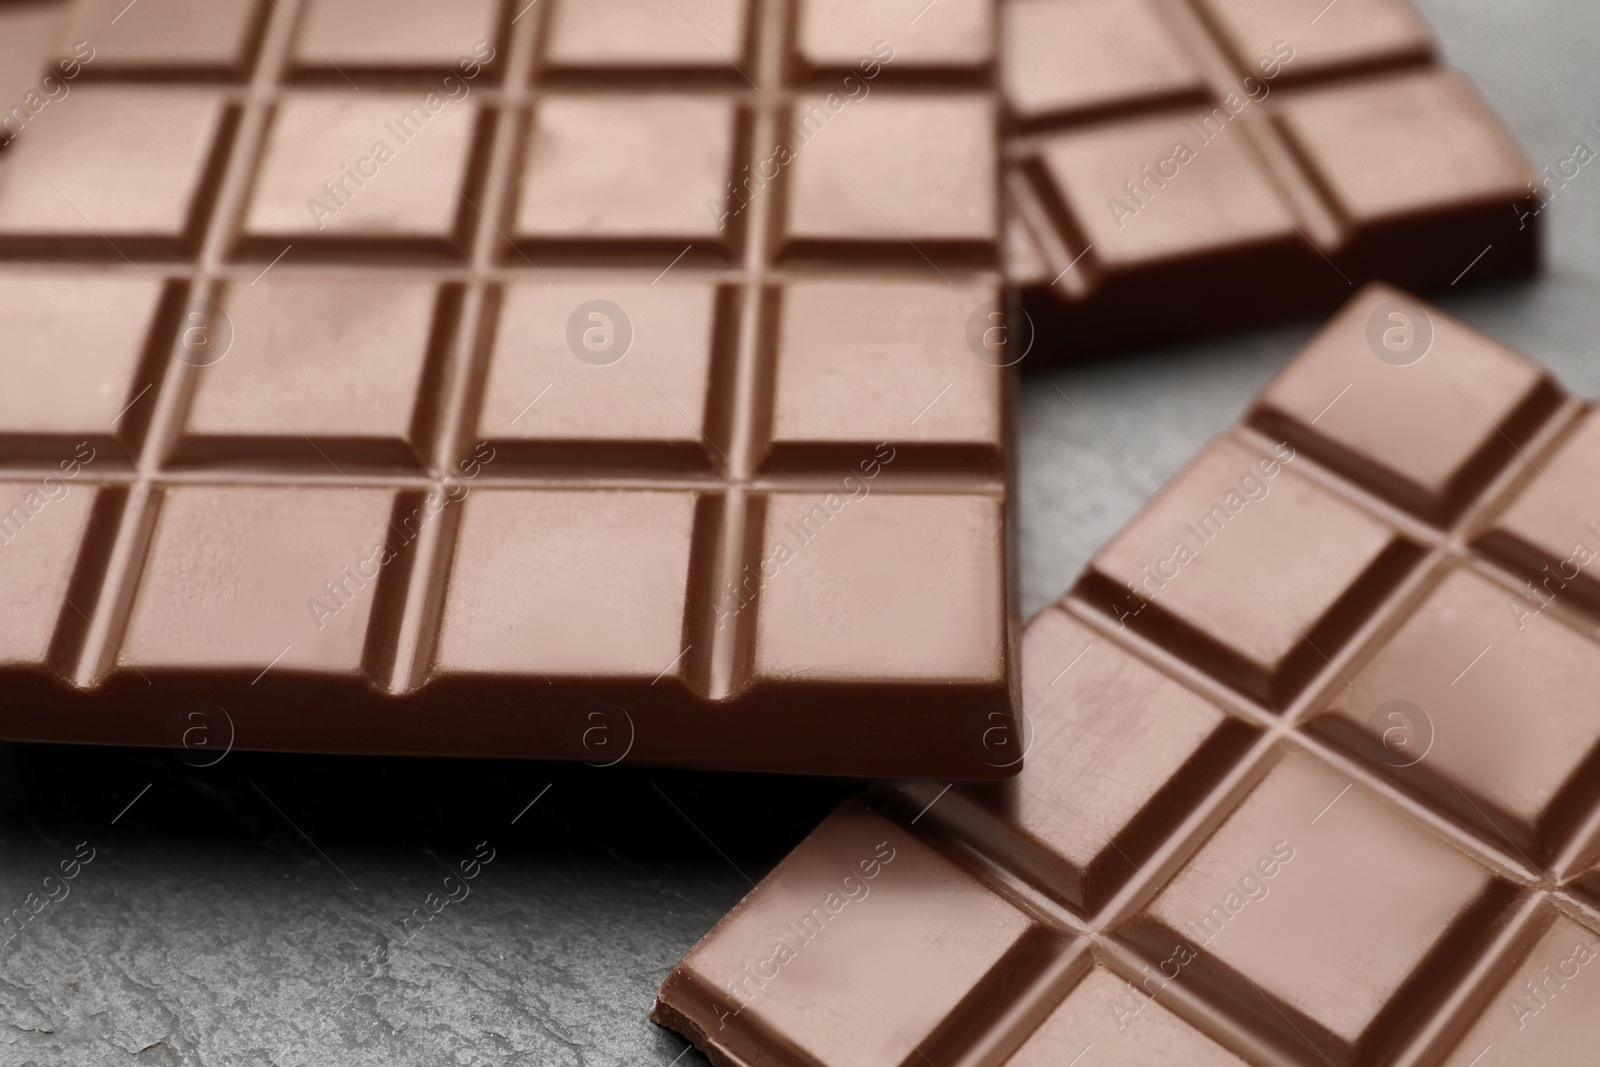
(1184, 167)
(1313, 767)
(572, 381)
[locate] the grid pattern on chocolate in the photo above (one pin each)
(1235, 162)
(536, 351)
(1394, 864)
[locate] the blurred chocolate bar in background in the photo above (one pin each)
(1181, 168)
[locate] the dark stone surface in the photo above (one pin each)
(232, 915)
(275, 910)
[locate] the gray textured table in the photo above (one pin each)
(248, 913)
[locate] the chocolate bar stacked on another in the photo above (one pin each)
(571, 381)
(1314, 773)
(1186, 167)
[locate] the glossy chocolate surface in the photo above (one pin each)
(574, 381)
(1221, 851)
(1185, 167)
